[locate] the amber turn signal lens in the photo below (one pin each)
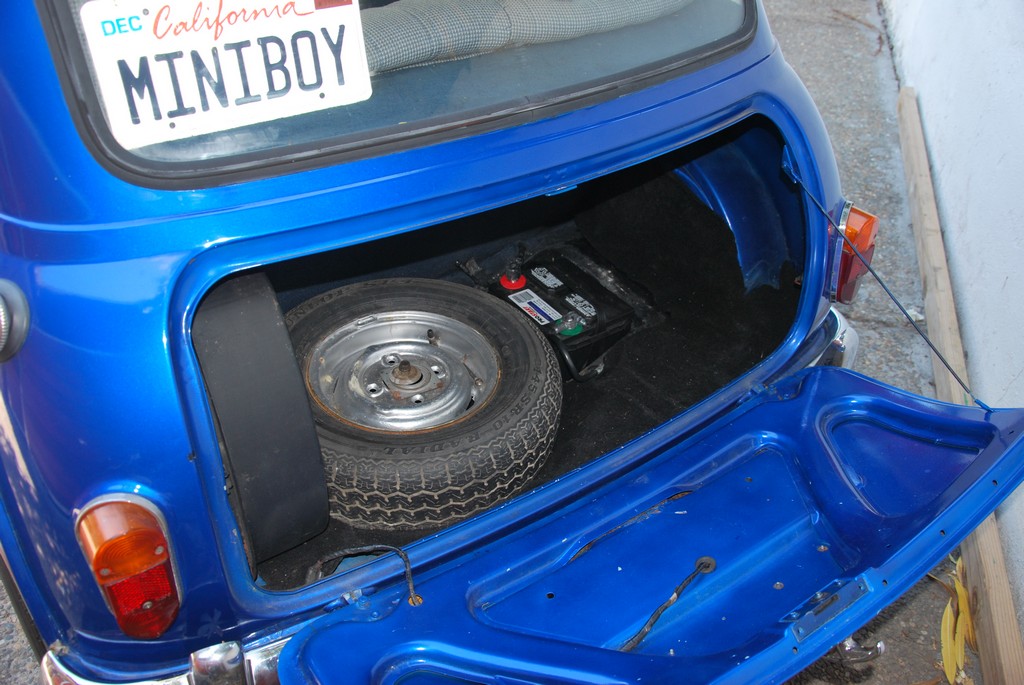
(860, 229)
(126, 546)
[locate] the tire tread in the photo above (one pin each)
(450, 472)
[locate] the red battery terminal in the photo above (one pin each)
(513, 278)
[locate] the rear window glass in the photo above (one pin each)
(196, 81)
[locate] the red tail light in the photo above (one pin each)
(125, 543)
(860, 229)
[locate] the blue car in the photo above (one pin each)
(461, 341)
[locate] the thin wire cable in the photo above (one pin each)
(316, 572)
(892, 296)
(703, 565)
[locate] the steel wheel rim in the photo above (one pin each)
(403, 371)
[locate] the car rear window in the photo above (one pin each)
(206, 83)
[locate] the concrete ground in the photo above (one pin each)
(840, 49)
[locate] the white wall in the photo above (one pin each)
(966, 61)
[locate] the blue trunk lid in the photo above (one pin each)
(819, 501)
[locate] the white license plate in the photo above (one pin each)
(174, 69)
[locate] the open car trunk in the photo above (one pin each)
(626, 531)
(671, 310)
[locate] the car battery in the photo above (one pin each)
(582, 307)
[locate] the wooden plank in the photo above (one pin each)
(1000, 646)
(999, 640)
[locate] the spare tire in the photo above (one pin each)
(432, 400)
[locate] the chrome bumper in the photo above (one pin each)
(223, 664)
(842, 350)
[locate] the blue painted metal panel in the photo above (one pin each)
(791, 494)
